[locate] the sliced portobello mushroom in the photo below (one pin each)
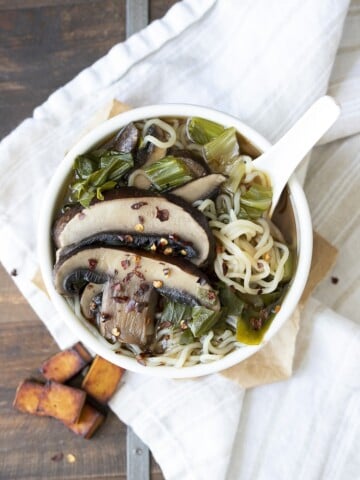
(169, 245)
(175, 278)
(136, 211)
(125, 140)
(200, 188)
(130, 283)
(128, 315)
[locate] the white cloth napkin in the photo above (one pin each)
(264, 61)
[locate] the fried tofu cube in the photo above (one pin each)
(102, 379)
(61, 402)
(28, 396)
(89, 421)
(64, 365)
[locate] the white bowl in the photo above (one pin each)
(88, 334)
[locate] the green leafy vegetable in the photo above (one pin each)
(96, 172)
(174, 312)
(203, 131)
(230, 300)
(186, 337)
(236, 173)
(288, 268)
(84, 166)
(221, 150)
(257, 315)
(198, 319)
(167, 173)
(202, 320)
(255, 201)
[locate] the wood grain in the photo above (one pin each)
(43, 44)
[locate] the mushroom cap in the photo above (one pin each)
(175, 279)
(126, 208)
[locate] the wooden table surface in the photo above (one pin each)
(43, 44)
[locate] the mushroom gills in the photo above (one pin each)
(76, 280)
(90, 301)
(169, 245)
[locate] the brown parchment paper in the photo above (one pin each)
(274, 362)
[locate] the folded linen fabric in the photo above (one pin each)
(265, 62)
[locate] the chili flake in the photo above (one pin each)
(92, 263)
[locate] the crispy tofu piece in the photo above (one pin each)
(61, 402)
(89, 421)
(65, 364)
(28, 396)
(102, 379)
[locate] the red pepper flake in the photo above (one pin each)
(334, 280)
(255, 323)
(125, 264)
(144, 287)
(105, 316)
(162, 215)
(137, 259)
(141, 219)
(92, 263)
(57, 457)
(117, 287)
(121, 299)
(139, 274)
(211, 295)
(129, 276)
(14, 272)
(136, 206)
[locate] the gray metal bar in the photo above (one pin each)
(137, 15)
(137, 458)
(137, 453)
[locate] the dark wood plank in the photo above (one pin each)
(43, 44)
(41, 49)
(29, 444)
